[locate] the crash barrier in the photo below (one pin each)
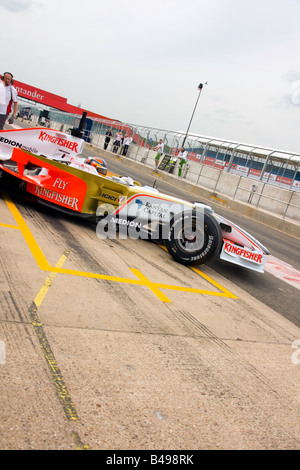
(263, 178)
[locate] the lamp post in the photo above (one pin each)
(200, 89)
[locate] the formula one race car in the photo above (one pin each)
(45, 165)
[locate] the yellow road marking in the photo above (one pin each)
(60, 386)
(9, 226)
(218, 199)
(141, 281)
(224, 291)
(30, 240)
(43, 264)
(44, 289)
(79, 444)
(55, 372)
(152, 285)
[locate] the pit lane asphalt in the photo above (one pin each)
(107, 346)
(271, 291)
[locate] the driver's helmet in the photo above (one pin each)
(98, 163)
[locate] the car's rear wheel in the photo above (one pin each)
(194, 239)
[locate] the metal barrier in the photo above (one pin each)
(262, 177)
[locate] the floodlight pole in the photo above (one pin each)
(200, 89)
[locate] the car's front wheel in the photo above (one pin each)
(194, 239)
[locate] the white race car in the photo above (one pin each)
(45, 165)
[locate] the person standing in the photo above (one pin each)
(182, 157)
(127, 141)
(160, 148)
(117, 142)
(11, 99)
(107, 138)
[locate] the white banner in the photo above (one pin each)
(39, 141)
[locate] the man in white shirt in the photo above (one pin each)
(160, 148)
(11, 99)
(127, 141)
(182, 157)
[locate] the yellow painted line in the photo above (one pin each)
(218, 199)
(44, 289)
(9, 226)
(58, 381)
(55, 372)
(224, 291)
(141, 281)
(104, 277)
(79, 444)
(153, 286)
(31, 242)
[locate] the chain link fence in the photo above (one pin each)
(264, 178)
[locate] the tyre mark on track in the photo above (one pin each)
(55, 372)
(44, 265)
(56, 375)
(199, 330)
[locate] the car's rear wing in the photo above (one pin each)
(39, 141)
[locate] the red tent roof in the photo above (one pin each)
(49, 99)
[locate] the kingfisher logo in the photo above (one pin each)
(62, 199)
(45, 137)
(236, 250)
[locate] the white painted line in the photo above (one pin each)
(283, 271)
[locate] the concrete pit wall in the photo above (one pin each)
(279, 201)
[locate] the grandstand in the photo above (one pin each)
(263, 177)
(268, 165)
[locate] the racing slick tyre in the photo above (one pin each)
(193, 238)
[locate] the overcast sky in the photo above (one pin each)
(142, 61)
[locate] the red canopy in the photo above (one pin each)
(49, 99)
